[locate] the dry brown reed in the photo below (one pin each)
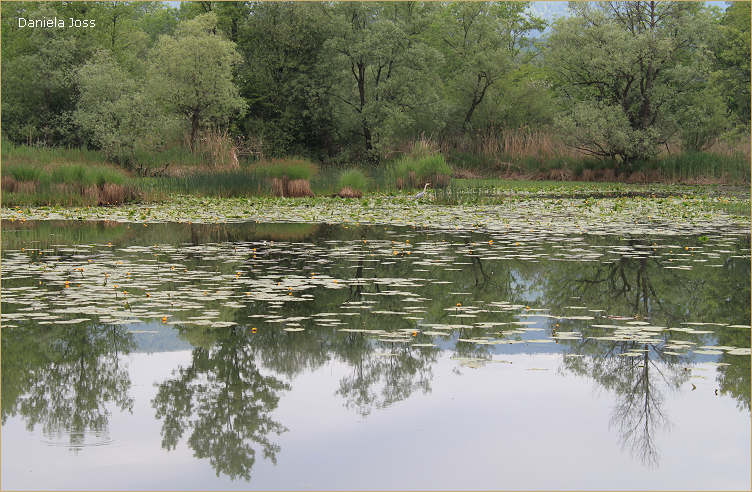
(416, 148)
(299, 188)
(349, 192)
(636, 177)
(516, 143)
(89, 194)
(220, 150)
(412, 180)
(608, 175)
(291, 188)
(8, 184)
(728, 149)
(26, 187)
(438, 181)
(465, 174)
(656, 176)
(279, 186)
(720, 147)
(110, 194)
(588, 175)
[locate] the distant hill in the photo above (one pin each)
(549, 10)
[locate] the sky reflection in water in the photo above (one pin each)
(538, 402)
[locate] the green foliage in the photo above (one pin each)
(690, 164)
(286, 168)
(36, 74)
(191, 74)
(23, 173)
(284, 81)
(223, 184)
(604, 130)
(701, 118)
(481, 42)
(113, 111)
(433, 166)
(412, 172)
(355, 179)
(380, 70)
(733, 55)
(79, 174)
(349, 82)
(404, 172)
(621, 66)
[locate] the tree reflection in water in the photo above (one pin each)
(225, 402)
(63, 377)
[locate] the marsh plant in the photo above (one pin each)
(71, 184)
(423, 164)
(352, 183)
(288, 176)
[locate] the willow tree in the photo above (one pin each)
(620, 68)
(112, 110)
(191, 73)
(482, 43)
(384, 75)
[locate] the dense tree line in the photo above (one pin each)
(343, 81)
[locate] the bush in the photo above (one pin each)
(287, 168)
(433, 166)
(405, 173)
(353, 178)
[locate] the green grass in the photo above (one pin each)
(404, 173)
(44, 155)
(83, 169)
(409, 172)
(291, 168)
(224, 184)
(689, 165)
(355, 179)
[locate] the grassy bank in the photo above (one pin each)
(35, 176)
(539, 155)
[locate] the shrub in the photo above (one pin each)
(25, 173)
(434, 169)
(353, 178)
(290, 168)
(405, 173)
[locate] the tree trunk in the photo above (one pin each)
(195, 120)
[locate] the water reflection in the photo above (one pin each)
(225, 402)
(636, 374)
(262, 304)
(64, 378)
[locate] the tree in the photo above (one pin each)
(383, 71)
(191, 73)
(113, 111)
(283, 79)
(36, 69)
(39, 64)
(482, 43)
(619, 66)
(227, 404)
(733, 57)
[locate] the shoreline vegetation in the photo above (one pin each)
(361, 99)
(39, 176)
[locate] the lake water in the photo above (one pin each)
(296, 356)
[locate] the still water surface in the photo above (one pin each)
(314, 356)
